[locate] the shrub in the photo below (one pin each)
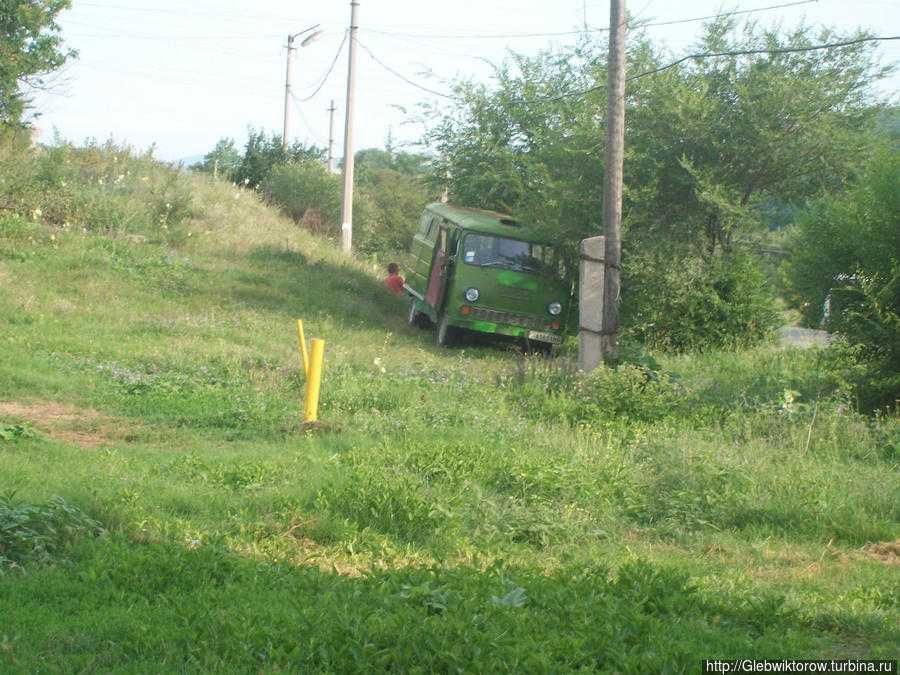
(307, 194)
(846, 251)
(396, 203)
(40, 533)
(696, 304)
(866, 357)
(627, 393)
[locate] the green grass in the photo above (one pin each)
(164, 507)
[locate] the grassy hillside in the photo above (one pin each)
(162, 506)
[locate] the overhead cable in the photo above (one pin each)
(327, 73)
(706, 55)
(402, 77)
(507, 36)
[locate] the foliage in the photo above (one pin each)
(494, 500)
(683, 304)
(775, 122)
(262, 153)
(628, 393)
(407, 163)
(306, 193)
(848, 232)
(845, 257)
(30, 50)
(95, 187)
(711, 145)
(41, 533)
(397, 199)
(388, 194)
(223, 159)
(10, 432)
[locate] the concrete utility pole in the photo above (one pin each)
(347, 200)
(591, 283)
(612, 187)
(331, 137)
(287, 77)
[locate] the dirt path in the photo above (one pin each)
(81, 426)
(804, 337)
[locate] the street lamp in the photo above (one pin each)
(287, 78)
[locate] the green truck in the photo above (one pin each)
(477, 270)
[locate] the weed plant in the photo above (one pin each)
(469, 509)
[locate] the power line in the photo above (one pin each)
(752, 52)
(325, 77)
(707, 55)
(153, 73)
(476, 36)
(313, 132)
(734, 13)
(402, 77)
(181, 11)
(529, 35)
(507, 36)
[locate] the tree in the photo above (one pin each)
(224, 159)
(30, 50)
(306, 193)
(845, 258)
(711, 144)
(263, 153)
(775, 118)
(393, 186)
(409, 163)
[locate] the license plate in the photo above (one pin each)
(545, 337)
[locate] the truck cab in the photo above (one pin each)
(482, 271)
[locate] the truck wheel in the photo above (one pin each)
(414, 317)
(444, 333)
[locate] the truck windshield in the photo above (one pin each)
(485, 250)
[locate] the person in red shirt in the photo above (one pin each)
(394, 282)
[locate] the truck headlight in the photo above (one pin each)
(472, 294)
(555, 308)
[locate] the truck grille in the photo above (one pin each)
(514, 294)
(495, 316)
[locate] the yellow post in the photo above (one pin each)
(313, 380)
(303, 347)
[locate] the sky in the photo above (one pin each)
(179, 76)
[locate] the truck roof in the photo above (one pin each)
(487, 222)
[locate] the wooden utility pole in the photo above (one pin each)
(612, 186)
